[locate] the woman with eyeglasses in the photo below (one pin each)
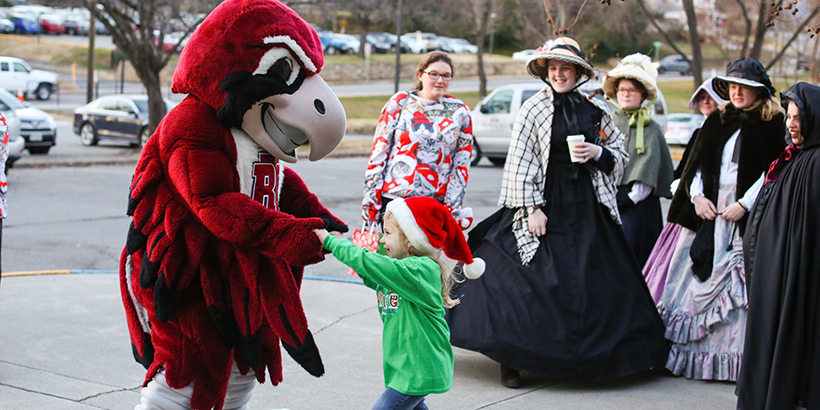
(631, 87)
(561, 296)
(422, 146)
(704, 302)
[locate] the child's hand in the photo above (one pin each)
(338, 234)
(322, 234)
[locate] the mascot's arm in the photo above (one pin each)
(298, 201)
(236, 218)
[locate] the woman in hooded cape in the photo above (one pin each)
(781, 360)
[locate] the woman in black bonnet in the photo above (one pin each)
(704, 299)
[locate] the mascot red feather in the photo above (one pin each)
(220, 230)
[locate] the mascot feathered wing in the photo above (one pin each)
(220, 230)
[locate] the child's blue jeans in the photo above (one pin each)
(393, 400)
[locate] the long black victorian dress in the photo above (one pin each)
(781, 360)
(581, 307)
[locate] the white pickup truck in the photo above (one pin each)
(16, 73)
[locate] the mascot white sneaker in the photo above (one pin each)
(220, 230)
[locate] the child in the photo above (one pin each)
(423, 244)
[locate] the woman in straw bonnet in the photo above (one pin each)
(631, 87)
(562, 295)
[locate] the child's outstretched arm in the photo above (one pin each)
(322, 234)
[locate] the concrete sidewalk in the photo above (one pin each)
(64, 345)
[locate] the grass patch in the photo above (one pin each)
(677, 95)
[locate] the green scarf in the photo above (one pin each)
(638, 117)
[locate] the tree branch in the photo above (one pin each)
(748, 28)
(797, 32)
(662, 31)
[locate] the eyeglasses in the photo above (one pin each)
(435, 76)
(627, 90)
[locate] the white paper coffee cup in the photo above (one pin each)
(573, 140)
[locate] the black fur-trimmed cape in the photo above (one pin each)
(760, 144)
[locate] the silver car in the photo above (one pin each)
(494, 116)
(37, 127)
(16, 142)
(680, 126)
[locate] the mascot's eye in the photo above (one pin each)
(283, 68)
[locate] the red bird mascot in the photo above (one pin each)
(221, 231)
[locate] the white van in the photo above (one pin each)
(15, 74)
(493, 117)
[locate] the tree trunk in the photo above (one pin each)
(748, 35)
(764, 17)
(483, 20)
(156, 106)
(364, 22)
(813, 67)
(696, 65)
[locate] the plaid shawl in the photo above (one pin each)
(525, 171)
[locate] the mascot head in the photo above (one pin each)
(256, 63)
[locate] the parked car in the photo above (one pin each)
(429, 40)
(25, 24)
(352, 42)
(456, 45)
(493, 117)
(115, 117)
(466, 46)
(16, 142)
(6, 26)
(76, 25)
(676, 63)
(523, 55)
(37, 127)
(333, 44)
(680, 126)
(377, 43)
(409, 43)
(170, 41)
(52, 24)
(16, 73)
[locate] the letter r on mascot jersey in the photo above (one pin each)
(220, 230)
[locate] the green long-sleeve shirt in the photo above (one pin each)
(418, 358)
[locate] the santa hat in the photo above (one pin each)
(428, 226)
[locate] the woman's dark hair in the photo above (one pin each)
(430, 58)
(638, 85)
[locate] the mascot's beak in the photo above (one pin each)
(312, 115)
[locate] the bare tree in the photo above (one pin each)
(138, 29)
(694, 39)
(793, 11)
(748, 21)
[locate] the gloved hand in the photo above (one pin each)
(333, 225)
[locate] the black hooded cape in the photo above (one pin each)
(781, 360)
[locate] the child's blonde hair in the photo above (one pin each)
(448, 276)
